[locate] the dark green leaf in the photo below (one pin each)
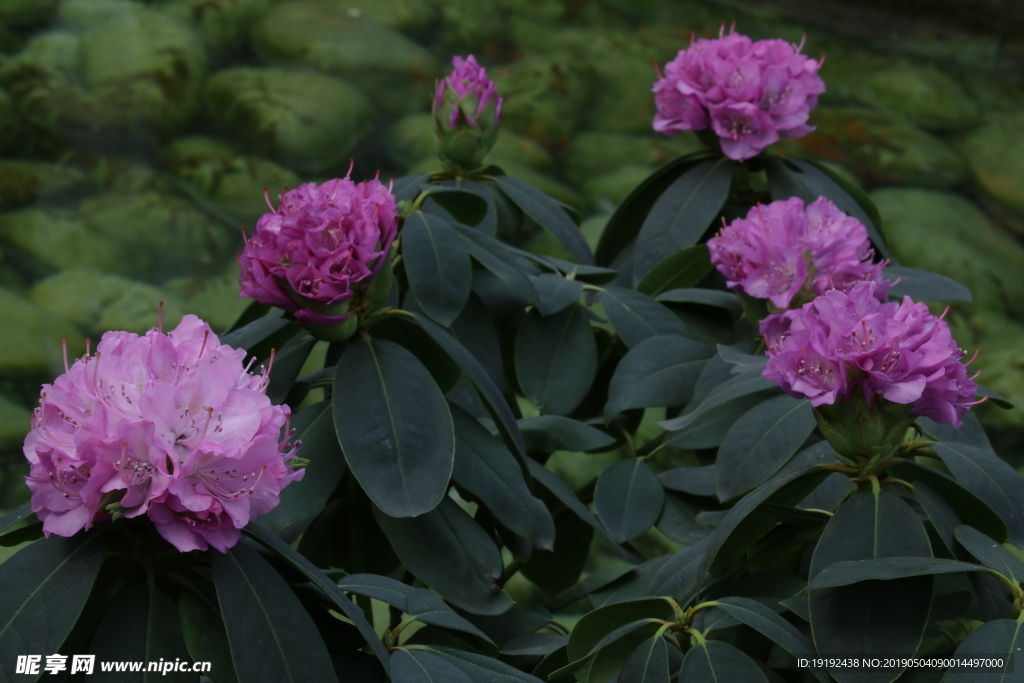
(266, 624)
(567, 496)
(252, 312)
(555, 570)
(423, 666)
(449, 552)
(489, 222)
(22, 534)
(556, 359)
(628, 499)
(740, 385)
(491, 394)
(550, 433)
(407, 334)
(682, 214)
(140, 624)
(742, 363)
(940, 513)
(879, 617)
(630, 215)
(594, 626)
(659, 371)
(887, 569)
(16, 515)
(990, 553)
(416, 602)
(645, 625)
(714, 423)
(969, 508)
(680, 270)
(636, 317)
(314, 426)
(534, 644)
(921, 285)
(475, 329)
(697, 481)
(582, 272)
(997, 639)
(268, 539)
(715, 660)
(409, 186)
(555, 293)
(995, 397)
(203, 632)
(648, 663)
(706, 297)
(760, 443)
(984, 474)
(394, 427)
(495, 257)
(486, 468)
(437, 263)
(448, 665)
(679, 574)
(44, 587)
(464, 205)
(548, 214)
(267, 328)
(287, 363)
(594, 582)
(771, 625)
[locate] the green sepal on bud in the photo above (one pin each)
(464, 146)
(863, 435)
(297, 463)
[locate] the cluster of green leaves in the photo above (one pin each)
(427, 488)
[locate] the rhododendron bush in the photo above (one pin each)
(364, 478)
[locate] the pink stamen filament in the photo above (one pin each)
(972, 403)
(160, 317)
(64, 346)
(206, 335)
(266, 198)
(973, 358)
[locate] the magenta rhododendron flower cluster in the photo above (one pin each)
(173, 424)
(467, 79)
(750, 93)
(320, 247)
(784, 249)
(842, 343)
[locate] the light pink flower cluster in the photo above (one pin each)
(751, 93)
(322, 245)
(784, 249)
(174, 422)
(846, 342)
(468, 78)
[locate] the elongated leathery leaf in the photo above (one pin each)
(760, 443)
(548, 214)
(659, 371)
(419, 603)
(447, 550)
(921, 285)
(556, 359)
(676, 272)
(485, 467)
(555, 293)
(628, 498)
(203, 631)
(715, 660)
(314, 426)
(141, 624)
(983, 473)
(549, 433)
(990, 553)
(999, 639)
(437, 263)
(266, 624)
(889, 568)
(648, 663)
(45, 586)
(394, 427)
(636, 317)
(682, 213)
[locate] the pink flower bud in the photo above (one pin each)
(466, 113)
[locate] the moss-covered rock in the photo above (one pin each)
(305, 120)
(544, 96)
(396, 73)
(215, 299)
(14, 423)
(880, 148)
(28, 182)
(8, 122)
(594, 154)
(995, 154)
(232, 181)
(31, 338)
(54, 239)
(97, 302)
(1001, 360)
(947, 234)
(407, 16)
(223, 25)
(471, 25)
(607, 191)
(21, 12)
(411, 139)
(134, 72)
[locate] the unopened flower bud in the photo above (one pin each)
(466, 114)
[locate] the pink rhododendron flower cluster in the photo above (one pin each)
(322, 245)
(174, 422)
(750, 93)
(467, 79)
(784, 249)
(842, 342)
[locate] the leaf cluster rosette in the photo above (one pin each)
(467, 110)
(320, 249)
(750, 93)
(168, 426)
